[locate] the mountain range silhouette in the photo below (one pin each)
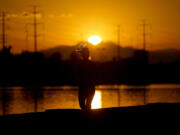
(107, 51)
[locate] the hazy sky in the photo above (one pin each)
(70, 21)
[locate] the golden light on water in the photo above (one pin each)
(96, 103)
(95, 40)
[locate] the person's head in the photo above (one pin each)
(84, 51)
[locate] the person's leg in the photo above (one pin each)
(82, 100)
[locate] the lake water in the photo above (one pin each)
(15, 100)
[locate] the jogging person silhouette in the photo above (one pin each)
(86, 79)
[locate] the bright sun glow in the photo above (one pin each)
(94, 40)
(96, 103)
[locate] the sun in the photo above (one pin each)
(95, 40)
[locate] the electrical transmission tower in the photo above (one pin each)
(118, 42)
(35, 29)
(27, 37)
(144, 34)
(3, 29)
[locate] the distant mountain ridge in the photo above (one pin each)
(164, 56)
(108, 51)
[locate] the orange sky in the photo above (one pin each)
(70, 21)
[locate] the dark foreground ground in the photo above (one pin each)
(128, 119)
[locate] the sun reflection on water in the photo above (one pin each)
(96, 103)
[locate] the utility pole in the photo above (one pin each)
(3, 30)
(118, 42)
